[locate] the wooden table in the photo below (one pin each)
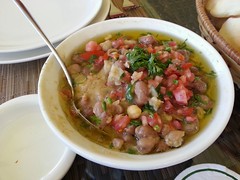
(22, 78)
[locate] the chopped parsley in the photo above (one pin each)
(104, 105)
(196, 100)
(129, 93)
(131, 151)
(175, 81)
(136, 123)
(148, 108)
(211, 74)
(169, 94)
(183, 45)
(140, 58)
(93, 58)
(95, 120)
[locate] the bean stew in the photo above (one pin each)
(148, 91)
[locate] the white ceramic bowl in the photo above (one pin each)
(56, 119)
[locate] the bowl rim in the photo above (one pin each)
(144, 162)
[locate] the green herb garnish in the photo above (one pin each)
(196, 100)
(104, 105)
(129, 93)
(211, 74)
(95, 119)
(136, 123)
(92, 58)
(108, 100)
(140, 58)
(155, 67)
(118, 34)
(175, 81)
(183, 45)
(168, 49)
(148, 108)
(169, 94)
(157, 128)
(131, 151)
(209, 111)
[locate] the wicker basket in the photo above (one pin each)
(210, 33)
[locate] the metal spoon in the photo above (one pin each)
(29, 17)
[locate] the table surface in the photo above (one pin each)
(22, 78)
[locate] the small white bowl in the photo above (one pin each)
(56, 119)
(29, 149)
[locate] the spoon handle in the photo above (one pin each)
(29, 17)
(27, 14)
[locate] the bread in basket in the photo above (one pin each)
(209, 30)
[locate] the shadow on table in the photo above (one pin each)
(87, 170)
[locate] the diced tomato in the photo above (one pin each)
(92, 46)
(176, 124)
(177, 55)
(163, 90)
(168, 107)
(120, 122)
(150, 49)
(164, 56)
(152, 82)
(144, 120)
(172, 82)
(185, 111)
(187, 65)
(155, 122)
(166, 97)
(87, 55)
(182, 95)
(118, 93)
(189, 75)
(140, 45)
(172, 69)
(105, 56)
(126, 77)
(191, 118)
(98, 63)
(183, 79)
(156, 81)
(172, 43)
(181, 57)
(117, 43)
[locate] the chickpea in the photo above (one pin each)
(134, 111)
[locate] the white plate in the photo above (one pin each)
(29, 149)
(38, 53)
(58, 19)
(208, 171)
(103, 13)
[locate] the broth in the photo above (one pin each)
(96, 136)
